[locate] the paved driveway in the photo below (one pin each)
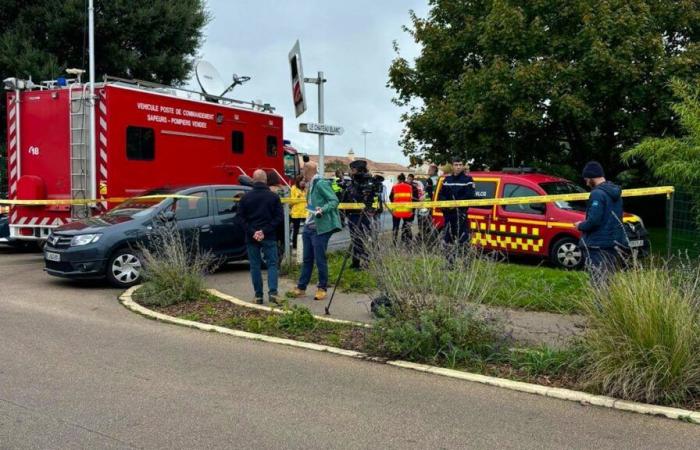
(77, 370)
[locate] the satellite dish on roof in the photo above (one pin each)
(209, 79)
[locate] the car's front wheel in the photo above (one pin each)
(124, 268)
(567, 253)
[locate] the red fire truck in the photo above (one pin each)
(146, 136)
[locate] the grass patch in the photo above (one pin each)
(537, 288)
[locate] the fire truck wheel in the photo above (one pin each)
(567, 254)
(124, 268)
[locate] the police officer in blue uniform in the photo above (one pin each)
(603, 237)
(458, 186)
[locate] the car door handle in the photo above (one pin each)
(205, 228)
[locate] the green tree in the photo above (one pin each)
(155, 40)
(677, 159)
(550, 82)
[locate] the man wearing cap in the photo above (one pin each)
(458, 186)
(602, 231)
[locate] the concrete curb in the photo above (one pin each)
(239, 302)
(519, 386)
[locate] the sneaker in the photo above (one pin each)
(259, 300)
(274, 299)
(320, 294)
(295, 293)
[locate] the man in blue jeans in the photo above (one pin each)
(323, 220)
(261, 213)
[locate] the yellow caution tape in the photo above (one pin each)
(638, 192)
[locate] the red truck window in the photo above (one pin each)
(484, 189)
(517, 190)
(272, 146)
(237, 142)
(140, 143)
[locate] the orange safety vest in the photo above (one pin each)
(402, 193)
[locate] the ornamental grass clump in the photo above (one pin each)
(174, 267)
(433, 292)
(643, 339)
(424, 274)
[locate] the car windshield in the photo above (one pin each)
(565, 187)
(140, 206)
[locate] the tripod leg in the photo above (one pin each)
(340, 275)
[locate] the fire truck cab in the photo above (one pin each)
(540, 229)
(146, 136)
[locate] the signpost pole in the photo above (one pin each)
(321, 136)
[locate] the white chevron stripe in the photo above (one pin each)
(13, 127)
(103, 123)
(103, 155)
(13, 142)
(103, 107)
(13, 217)
(13, 188)
(22, 220)
(13, 157)
(13, 173)
(103, 171)
(12, 112)
(33, 221)
(103, 139)
(57, 221)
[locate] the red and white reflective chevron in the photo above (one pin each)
(12, 152)
(40, 221)
(102, 144)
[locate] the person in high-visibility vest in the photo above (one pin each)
(298, 212)
(401, 192)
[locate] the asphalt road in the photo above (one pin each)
(77, 370)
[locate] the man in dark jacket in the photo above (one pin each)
(261, 213)
(603, 231)
(458, 186)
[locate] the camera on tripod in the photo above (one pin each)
(366, 188)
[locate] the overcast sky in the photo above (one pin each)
(350, 41)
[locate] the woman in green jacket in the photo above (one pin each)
(321, 222)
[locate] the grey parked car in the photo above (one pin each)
(107, 246)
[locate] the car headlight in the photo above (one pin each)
(84, 239)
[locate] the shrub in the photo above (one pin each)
(420, 275)
(297, 319)
(174, 268)
(644, 335)
(436, 335)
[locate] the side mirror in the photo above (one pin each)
(168, 216)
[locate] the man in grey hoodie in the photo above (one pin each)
(603, 230)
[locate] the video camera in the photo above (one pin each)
(365, 188)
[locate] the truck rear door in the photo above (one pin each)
(480, 217)
(520, 228)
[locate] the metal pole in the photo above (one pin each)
(287, 241)
(321, 147)
(669, 229)
(91, 102)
